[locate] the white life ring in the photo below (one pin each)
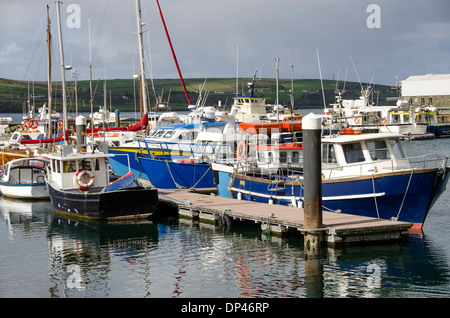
(241, 150)
(80, 175)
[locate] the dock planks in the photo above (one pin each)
(338, 227)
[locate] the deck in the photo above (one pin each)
(339, 228)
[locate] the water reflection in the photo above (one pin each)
(167, 257)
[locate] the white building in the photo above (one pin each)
(427, 90)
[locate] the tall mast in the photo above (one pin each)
(49, 67)
(61, 51)
(90, 74)
(277, 59)
(141, 56)
(173, 54)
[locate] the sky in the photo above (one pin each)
(378, 41)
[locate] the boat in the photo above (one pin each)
(362, 174)
(79, 186)
(170, 171)
(437, 125)
(175, 139)
(78, 179)
(362, 113)
(24, 178)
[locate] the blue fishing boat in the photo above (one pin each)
(363, 174)
(178, 138)
(168, 171)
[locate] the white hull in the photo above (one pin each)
(31, 192)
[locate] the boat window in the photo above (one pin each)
(261, 157)
(96, 164)
(159, 133)
(397, 149)
(36, 163)
(328, 153)
(378, 150)
(15, 136)
(283, 157)
(295, 157)
(168, 134)
(353, 152)
(55, 166)
(69, 166)
(84, 164)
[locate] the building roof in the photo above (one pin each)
(426, 85)
(428, 77)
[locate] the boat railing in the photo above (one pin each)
(168, 149)
(276, 170)
(429, 161)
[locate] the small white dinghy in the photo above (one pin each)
(24, 178)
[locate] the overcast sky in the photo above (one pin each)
(394, 38)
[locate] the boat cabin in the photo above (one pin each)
(25, 171)
(181, 132)
(80, 171)
(250, 108)
(362, 154)
(278, 155)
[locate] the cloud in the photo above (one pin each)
(412, 38)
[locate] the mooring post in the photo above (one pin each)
(312, 177)
(80, 125)
(117, 118)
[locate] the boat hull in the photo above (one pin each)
(439, 130)
(168, 174)
(132, 203)
(404, 196)
(33, 191)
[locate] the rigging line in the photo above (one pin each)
(406, 191)
(38, 44)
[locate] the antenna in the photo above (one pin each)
(321, 82)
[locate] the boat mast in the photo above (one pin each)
(277, 59)
(49, 67)
(173, 53)
(61, 51)
(141, 56)
(90, 75)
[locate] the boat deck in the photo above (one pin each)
(337, 227)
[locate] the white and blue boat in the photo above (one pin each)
(177, 139)
(362, 174)
(24, 178)
(169, 171)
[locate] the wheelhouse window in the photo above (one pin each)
(70, 166)
(295, 157)
(283, 157)
(378, 150)
(397, 149)
(353, 152)
(328, 154)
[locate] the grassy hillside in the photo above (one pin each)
(123, 93)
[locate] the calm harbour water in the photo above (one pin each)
(45, 255)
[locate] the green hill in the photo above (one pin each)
(123, 93)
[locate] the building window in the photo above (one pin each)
(431, 101)
(422, 102)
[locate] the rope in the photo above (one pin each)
(179, 201)
(374, 195)
(404, 196)
(173, 179)
(193, 187)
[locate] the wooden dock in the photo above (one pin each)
(338, 228)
